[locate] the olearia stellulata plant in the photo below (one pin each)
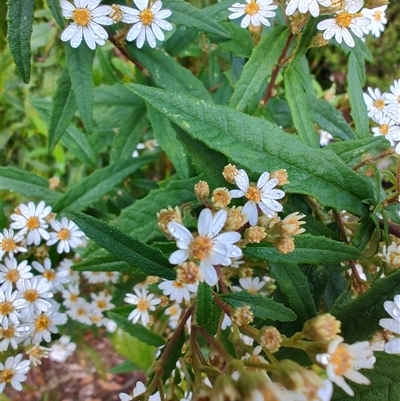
(265, 265)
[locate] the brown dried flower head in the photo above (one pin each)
(116, 14)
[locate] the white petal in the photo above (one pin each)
(393, 346)
(140, 39)
(391, 325)
(236, 193)
(228, 238)
(89, 39)
(218, 222)
(156, 7)
(250, 209)
(69, 32)
(158, 33)
(204, 223)
(134, 32)
(163, 24)
(209, 274)
(178, 256)
(242, 180)
(162, 14)
(141, 4)
(179, 232)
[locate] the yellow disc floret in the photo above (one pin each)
(81, 16)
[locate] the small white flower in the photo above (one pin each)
(346, 20)
(342, 360)
(56, 278)
(208, 247)
(64, 268)
(68, 235)
(387, 127)
(96, 277)
(252, 285)
(10, 334)
(37, 353)
(31, 219)
(81, 311)
(87, 18)
(144, 303)
(10, 304)
(174, 312)
(378, 19)
(262, 195)
(256, 12)
(71, 295)
(376, 103)
(324, 137)
(391, 254)
(140, 388)
(11, 243)
(177, 291)
(62, 349)
(306, 5)
(14, 372)
(147, 22)
(393, 324)
(393, 100)
(12, 273)
(102, 301)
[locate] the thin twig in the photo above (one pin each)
(222, 305)
(221, 279)
(371, 159)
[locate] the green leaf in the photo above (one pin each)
(263, 59)
(105, 264)
(204, 304)
(358, 106)
(135, 219)
(167, 73)
(185, 14)
(137, 330)
(294, 286)
(132, 251)
(173, 357)
(28, 184)
(55, 8)
(62, 111)
(360, 318)
(91, 188)
(263, 308)
(384, 378)
(330, 119)
(20, 19)
(79, 64)
(308, 250)
(259, 146)
(364, 233)
(240, 43)
(166, 137)
(392, 212)
(78, 144)
(124, 367)
(301, 113)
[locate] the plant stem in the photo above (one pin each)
(218, 347)
(221, 279)
(221, 304)
(275, 71)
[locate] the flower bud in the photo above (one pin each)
(202, 190)
(270, 338)
(235, 219)
(255, 234)
(281, 175)
(54, 182)
(220, 198)
(290, 225)
(321, 328)
(225, 389)
(165, 216)
(284, 245)
(229, 173)
(242, 315)
(116, 14)
(188, 273)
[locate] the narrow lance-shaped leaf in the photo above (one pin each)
(259, 146)
(308, 249)
(63, 109)
(79, 64)
(130, 250)
(105, 264)
(20, 19)
(55, 8)
(204, 304)
(262, 61)
(99, 183)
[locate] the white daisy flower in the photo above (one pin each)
(177, 291)
(393, 100)
(144, 303)
(342, 360)
(140, 388)
(80, 311)
(56, 278)
(306, 5)
(393, 324)
(262, 195)
(252, 285)
(346, 20)
(36, 291)
(10, 334)
(147, 22)
(376, 103)
(324, 137)
(71, 295)
(37, 353)
(174, 312)
(101, 277)
(65, 268)
(87, 18)
(14, 372)
(43, 324)
(208, 247)
(12, 273)
(256, 12)
(10, 305)
(378, 19)
(102, 301)
(11, 243)
(62, 349)
(387, 127)
(68, 235)
(31, 219)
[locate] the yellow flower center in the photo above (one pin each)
(81, 16)
(341, 360)
(378, 16)
(252, 8)
(344, 19)
(31, 295)
(147, 17)
(42, 323)
(63, 234)
(95, 319)
(101, 304)
(49, 274)
(379, 104)
(253, 194)
(6, 308)
(200, 247)
(12, 276)
(394, 259)
(173, 310)
(6, 375)
(7, 333)
(73, 297)
(81, 312)
(8, 245)
(32, 223)
(143, 305)
(384, 129)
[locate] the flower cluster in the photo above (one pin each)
(88, 18)
(384, 110)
